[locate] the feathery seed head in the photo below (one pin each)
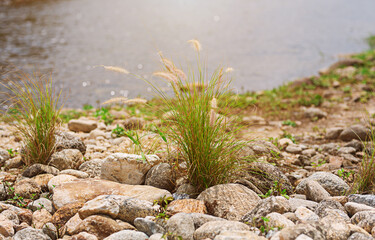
(167, 75)
(195, 44)
(115, 69)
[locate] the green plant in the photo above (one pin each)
(290, 136)
(364, 180)
(290, 123)
(163, 203)
(265, 228)
(11, 152)
(344, 174)
(119, 131)
(105, 115)
(87, 107)
(195, 126)
(276, 189)
(36, 117)
(371, 42)
(319, 163)
(14, 198)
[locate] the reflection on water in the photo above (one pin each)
(267, 42)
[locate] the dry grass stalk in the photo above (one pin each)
(170, 77)
(115, 69)
(196, 45)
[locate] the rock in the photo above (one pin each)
(352, 208)
(264, 207)
(31, 234)
(82, 125)
(184, 191)
(253, 120)
(42, 180)
(10, 215)
(364, 219)
(305, 215)
(6, 227)
(335, 228)
(211, 229)
(58, 180)
(128, 235)
(346, 72)
(4, 155)
(27, 188)
(100, 226)
(345, 63)
(291, 233)
(258, 147)
(119, 207)
(293, 148)
(83, 190)
(357, 131)
(303, 237)
(181, 224)
(41, 217)
(186, 206)
(75, 173)
(333, 133)
(309, 152)
(96, 133)
(346, 150)
(24, 215)
(133, 123)
(161, 176)
(331, 148)
(148, 226)
(284, 142)
(199, 219)
(37, 169)
(66, 140)
(323, 206)
(15, 162)
(360, 236)
(276, 220)
(93, 167)
(313, 112)
(357, 145)
(72, 224)
(50, 230)
(315, 192)
(156, 236)
(229, 201)
(127, 168)
(364, 199)
(235, 235)
(65, 213)
(84, 236)
(66, 159)
(330, 182)
(119, 114)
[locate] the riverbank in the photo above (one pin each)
(307, 142)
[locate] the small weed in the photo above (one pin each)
(265, 228)
(289, 136)
(87, 107)
(319, 163)
(163, 203)
(11, 152)
(105, 115)
(68, 115)
(276, 190)
(344, 174)
(290, 123)
(119, 131)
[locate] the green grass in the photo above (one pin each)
(371, 42)
(35, 108)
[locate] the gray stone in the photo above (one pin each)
(82, 125)
(352, 208)
(50, 230)
(333, 133)
(360, 236)
(27, 188)
(264, 207)
(309, 152)
(31, 234)
(127, 235)
(37, 169)
(357, 131)
(66, 159)
(276, 220)
(331, 148)
(293, 148)
(291, 233)
(305, 215)
(313, 112)
(323, 206)
(365, 220)
(66, 140)
(42, 203)
(238, 235)
(93, 167)
(356, 144)
(199, 219)
(330, 182)
(335, 228)
(148, 226)
(119, 207)
(229, 201)
(161, 176)
(364, 199)
(211, 229)
(346, 150)
(127, 168)
(75, 173)
(315, 192)
(182, 225)
(11, 215)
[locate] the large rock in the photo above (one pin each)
(65, 213)
(31, 234)
(58, 180)
(93, 167)
(313, 112)
(127, 235)
(119, 207)
(357, 131)
(186, 206)
(364, 199)
(229, 201)
(161, 176)
(127, 168)
(66, 159)
(41, 217)
(335, 228)
(333, 133)
(82, 125)
(291, 233)
(352, 208)
(211, 229)
(315, 192)
(264, 207)
(330, 182)
(324, 207)
(148, 226)
(276, 220)
(181, 224)
(27, 188)
(87, 189)
(66, 140)
(37, 169)
(365, 220)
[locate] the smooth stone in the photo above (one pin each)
(276, 220)
(352, 208)
(82, 125)
(364, 219)
(127, 235)
(31, 234)
(58, 180)
(357, 131)
(211, 229)
(37, 169)
(323, 206)
(315, 192)
(66, 159)
(236, 235)
(27, 188)
(364, 199)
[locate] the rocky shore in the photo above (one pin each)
(98, 186)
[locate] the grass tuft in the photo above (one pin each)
(35, 111)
